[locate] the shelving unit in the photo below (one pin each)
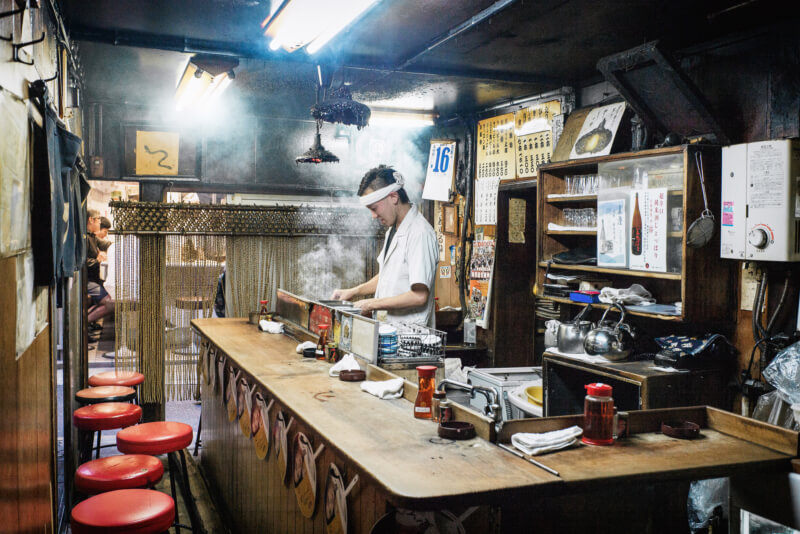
(698, 277)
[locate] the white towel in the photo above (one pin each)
(384, 389)
(304, 345)
(272, 327)
(347, 363)
(534, 444)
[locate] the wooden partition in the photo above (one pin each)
(27, 441)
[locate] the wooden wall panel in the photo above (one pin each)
(26, 425)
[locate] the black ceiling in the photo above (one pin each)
(131, 49)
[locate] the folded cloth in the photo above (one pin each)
(384, 389)
(634, 295)
(347, 363)
(534, 444)
(272, 327)
(304, 345)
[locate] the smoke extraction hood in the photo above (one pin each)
(340, 108)
(661, 93)
(317, 153)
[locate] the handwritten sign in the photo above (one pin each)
(441, 169)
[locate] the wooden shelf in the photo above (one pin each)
(628, 311)
(623, 272)
(573, 198)
(571, 232)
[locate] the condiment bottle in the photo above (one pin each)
(427, 385)
(331, 352)
(263, 313)
(598, 415)
(323, 340)
(446, 411)
(438, 397)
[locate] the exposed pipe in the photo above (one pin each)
(469, 150)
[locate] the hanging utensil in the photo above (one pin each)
(701, 230)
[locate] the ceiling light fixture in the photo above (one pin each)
(310, 23)
(403, 117)
(203, 80)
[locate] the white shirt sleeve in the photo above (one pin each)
(423, 255)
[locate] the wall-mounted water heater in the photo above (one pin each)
(761, 201)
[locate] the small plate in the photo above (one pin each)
(680, 429)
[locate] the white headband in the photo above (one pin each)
(383, 192)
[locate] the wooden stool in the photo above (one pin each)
(125, 471)
(103, 416)
(105, 394)
(163, 437)
(140, 511)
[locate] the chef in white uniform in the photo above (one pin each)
(404, 286)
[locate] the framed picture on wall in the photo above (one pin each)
(450, 219)
(159, 152)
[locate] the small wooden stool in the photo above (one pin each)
(140, 511)
(105, 394)
(103, 416)
(125, 471)
(162, 437)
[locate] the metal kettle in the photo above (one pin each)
(612, 341)
(571, 334)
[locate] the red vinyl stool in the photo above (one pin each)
(130, 379)
(163, 437)
(125, 511)
(105, 394)
(118, 472)
(103, 416)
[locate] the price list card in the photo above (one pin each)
(534, 137)
(496, 148)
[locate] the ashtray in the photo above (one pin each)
(354, 375)
(680, 429)
(310, 352)
(456, 430)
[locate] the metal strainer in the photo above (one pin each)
(701, 230)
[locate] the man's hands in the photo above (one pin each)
(367, 306)
(343, 294)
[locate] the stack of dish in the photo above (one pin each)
(431, 345)
(387, 341)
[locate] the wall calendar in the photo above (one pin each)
(496, 148)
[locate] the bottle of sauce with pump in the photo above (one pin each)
(322, 341)
(423, 406)
(598, 415)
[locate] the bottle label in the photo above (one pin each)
(422, 409)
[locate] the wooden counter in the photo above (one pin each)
(402, 463)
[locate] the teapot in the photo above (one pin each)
(612, 341)
(571, 334)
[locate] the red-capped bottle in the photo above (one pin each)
(423, 406)
(598, 415)
(323, 340)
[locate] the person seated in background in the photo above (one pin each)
(106, 304)
(95, 254)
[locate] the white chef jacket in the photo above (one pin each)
(411, 259)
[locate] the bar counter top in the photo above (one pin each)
(404, 455)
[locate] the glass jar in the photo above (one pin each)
(598, 415)
(263, 312)
(427, 384)
(322, 341)
(438, 397)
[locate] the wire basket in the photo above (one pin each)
(417, 342)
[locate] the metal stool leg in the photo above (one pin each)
(197, 438)
(188, 500)
(97, 452)
(171, 467)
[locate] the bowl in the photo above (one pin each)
(534, 394)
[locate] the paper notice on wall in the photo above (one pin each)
(14, 190)
(516, 220)
(652, 256)
(482, 261)
(486, 200)
(612, 236)
(496, 148)
(441, 165)
(480, 293)
(765, 173)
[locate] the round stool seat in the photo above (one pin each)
(118, 472)
(105, 394)
(160, 437)
(106, 416)
(116, 378)
(127, 511)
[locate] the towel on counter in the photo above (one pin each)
(347, 363)
(272, 327)
(533, 444)
(384, 389)
(304, 345)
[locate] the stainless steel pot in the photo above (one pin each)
(612, 341)
(570, 336)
